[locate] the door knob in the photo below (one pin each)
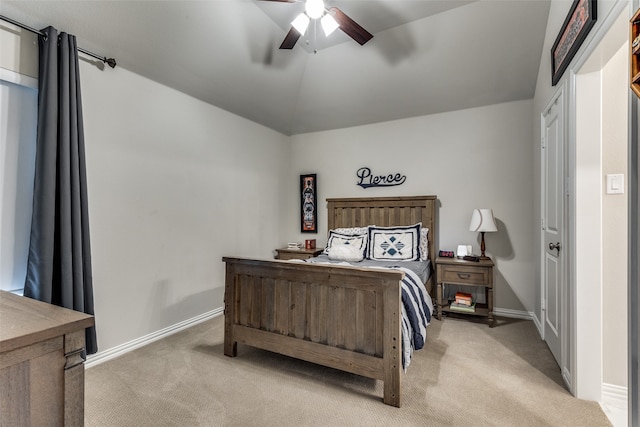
(553, 246)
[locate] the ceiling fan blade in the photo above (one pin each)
(350, 27)
(290, 39)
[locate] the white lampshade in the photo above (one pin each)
(483, 220)
(301, 23)
(314, 8)
(329, 24)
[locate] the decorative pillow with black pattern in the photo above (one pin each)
(359, 241)
(400, 243)
(352, 231)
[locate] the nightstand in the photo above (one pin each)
(287, 253)
(456, 271)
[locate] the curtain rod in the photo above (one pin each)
(109, 61)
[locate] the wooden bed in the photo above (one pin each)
(346, 318)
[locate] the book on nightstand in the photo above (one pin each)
(462, 308)
(464, 298)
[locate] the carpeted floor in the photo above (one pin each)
(467, 375)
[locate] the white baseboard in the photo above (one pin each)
(103, 356)
(515, 314)
(566, 377)
(614, 404)
(538, 324)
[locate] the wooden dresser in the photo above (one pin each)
(41, 363)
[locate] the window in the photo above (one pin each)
(18, 122)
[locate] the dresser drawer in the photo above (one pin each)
(464, 275)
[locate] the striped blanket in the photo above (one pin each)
(417, 308)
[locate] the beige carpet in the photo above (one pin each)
(468, 375)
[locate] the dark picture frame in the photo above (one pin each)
(579, 21)
(309, 203)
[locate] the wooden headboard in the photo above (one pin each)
(385, 212)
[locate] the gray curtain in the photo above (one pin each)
(59, 265)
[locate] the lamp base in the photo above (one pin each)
(482, 247)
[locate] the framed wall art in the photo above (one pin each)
(581, 18)
(309, 205)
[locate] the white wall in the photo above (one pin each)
(19, 50)
(588, 240)
(601, 219)
(609, 346)
(470, 159)
(174, 185)
(543, 94)
(615, 218)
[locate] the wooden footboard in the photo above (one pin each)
(345, 318)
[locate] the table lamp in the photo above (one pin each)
(482, 220)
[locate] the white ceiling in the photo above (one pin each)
(426, 57)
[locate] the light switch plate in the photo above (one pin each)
(615, 183)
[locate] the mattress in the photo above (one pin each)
(421, 268)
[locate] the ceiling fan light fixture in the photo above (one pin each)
(301, 23)
(314, 8)
(329, 24)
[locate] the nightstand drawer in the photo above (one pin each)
(294, 255)
(297, 253)
(465, 275)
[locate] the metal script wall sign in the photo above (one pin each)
(366, 179)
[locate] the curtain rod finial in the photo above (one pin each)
(111, 62)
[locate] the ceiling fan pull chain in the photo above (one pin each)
(315, 36)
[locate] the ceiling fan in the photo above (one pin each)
(331, 19)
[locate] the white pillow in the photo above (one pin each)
(424, 244)
(347, 253)
(352, 231)
(337, 239)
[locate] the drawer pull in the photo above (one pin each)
(464, 275)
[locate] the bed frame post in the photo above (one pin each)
(392, 346)
(230, 344)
